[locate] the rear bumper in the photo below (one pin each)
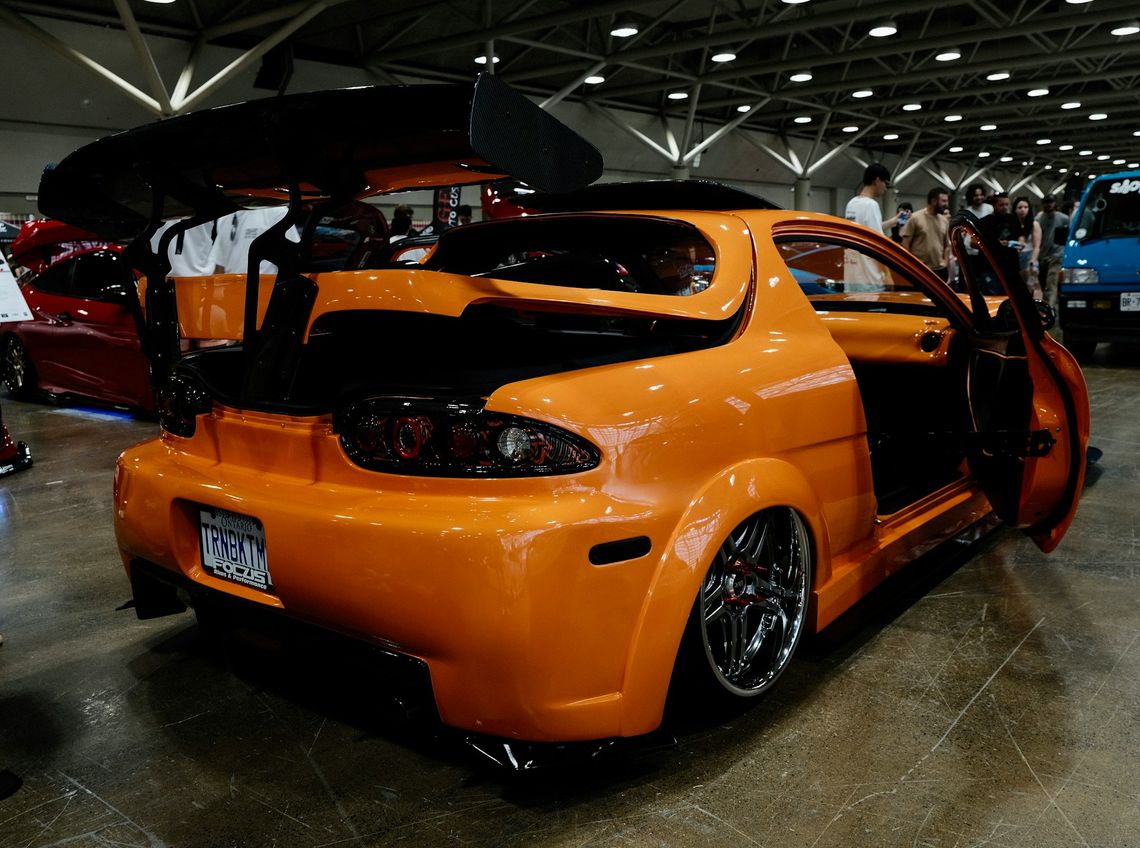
(522, 636)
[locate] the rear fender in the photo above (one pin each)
(729, 498)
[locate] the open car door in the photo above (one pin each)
(1028, 401)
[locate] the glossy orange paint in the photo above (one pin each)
(488, 581)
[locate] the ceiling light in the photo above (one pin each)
(998, 76)
(594, 79)
(988, 127)
(1133, 165)
(948, 55)
(882, 29)
(983, 155)
(1048, 167)
(890, 136)
(1037, 92)
(851, 129)
(482, 60)
(1062, 170)
(1044, 141)
(678, 95)
(952, 118)
(1006, 159)
(1077, 2)
(625, 29)
(1086, 153)
(794, 2)
(744, 108)
(160, 1)
(1117, 161)
(1097, 116)
(1137, 132)
(802, 119)
(1089, 176)
(727, 56)
(1130, 28)
(1065, 147)
(956, 149)
(1072, 104)
(800, 76)
(1102, 158)
(862, 93)
(911, 107)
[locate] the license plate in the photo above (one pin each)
(233, 548)
(1130, 301)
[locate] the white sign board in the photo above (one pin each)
(13, 307)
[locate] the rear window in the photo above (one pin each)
(1112, 208)
(608, 252)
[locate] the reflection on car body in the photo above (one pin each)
(574, 454)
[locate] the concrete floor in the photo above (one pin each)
(990, 697)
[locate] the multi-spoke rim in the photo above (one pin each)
(15, 366)
(753, 601)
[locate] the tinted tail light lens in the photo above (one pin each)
(180, 401)
(447, 439)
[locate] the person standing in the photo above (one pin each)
(902, 214)
(861, 272)
(1028, 244)
(976, 199)
(925, 234)
(1054, 230)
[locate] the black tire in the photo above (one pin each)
(751, 608)
(18, 369)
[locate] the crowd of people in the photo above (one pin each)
(1038, 238)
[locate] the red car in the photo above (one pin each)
(83, 339)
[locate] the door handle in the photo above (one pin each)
(63, 317)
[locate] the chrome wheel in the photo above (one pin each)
(19, 376)
(753, 601)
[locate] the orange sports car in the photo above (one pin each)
(655, 421)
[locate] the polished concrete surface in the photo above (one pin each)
(988, 697)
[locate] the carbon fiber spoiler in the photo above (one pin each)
(343, 145)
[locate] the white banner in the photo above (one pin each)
(13, 307)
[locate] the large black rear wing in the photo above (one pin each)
(315, 152)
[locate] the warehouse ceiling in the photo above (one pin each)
(1043, 82)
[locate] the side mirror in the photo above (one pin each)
(1048, 314)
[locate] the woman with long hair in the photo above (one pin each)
(1028, 244)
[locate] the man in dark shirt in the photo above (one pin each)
(1054, 231)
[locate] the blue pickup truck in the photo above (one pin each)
(1099, 294)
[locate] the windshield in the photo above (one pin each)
(1111, 208)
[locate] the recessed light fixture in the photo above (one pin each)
(1130, 28)
(678, 95)
(862, 93)
(851, 129)
(1102, 158)
(794, 2)
(1048, 167)
(625, 29)
(1065, 147)
(1072, 104)
(1133, 165)
(802, 119)
(1086, 153)
(1137, 133)
(882, 29)
(998, 76)
(956, 149)
(1089, 176)
(800, 76)
(890, 136)
(1006, 159)
(744, 108)
(948, 55)
(1062, 170)
(1097, 116)
(1117, 161)
(911, 107)
(1077, 2)
(594, 79)
(988, 127)
(984, 155)
(1037, 92)
(726, 56)
(952, 118)
(1044, 141)
(482, 60)
(163, 2)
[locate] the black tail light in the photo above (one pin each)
(180, 401)
(450, 439)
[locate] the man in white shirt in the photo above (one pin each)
(230, 252)
(976, 197)
(189, 252)
(861, 272)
